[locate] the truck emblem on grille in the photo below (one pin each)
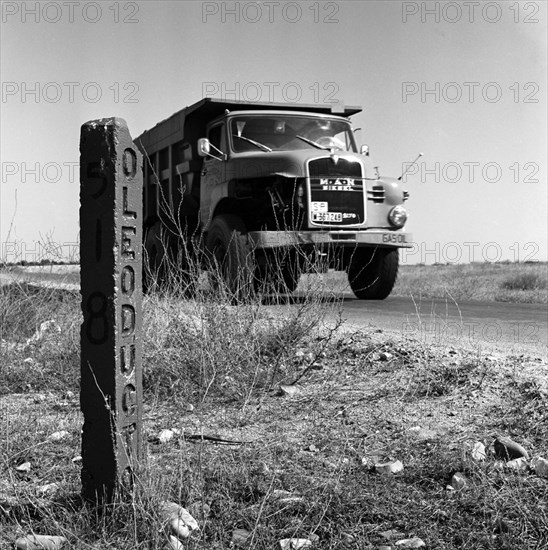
(335, 158)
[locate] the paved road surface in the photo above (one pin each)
(494, 324)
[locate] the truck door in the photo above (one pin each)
(213, 184)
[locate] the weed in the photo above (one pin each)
(524, 281)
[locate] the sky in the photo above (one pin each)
(464, 83)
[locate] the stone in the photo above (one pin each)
(179, 528)
(387, 468)
(165, 435)
(289, 391)
(240, 536)
(517, 464)
(178, 518)
(25, 467)
(415, 542)
(40, 542)
(478, 451)
(58, 436)
(190, 407)
(294, 544)
(507, 449)
(385, 356)
(458, 481)
(111, 237)
(540, 466)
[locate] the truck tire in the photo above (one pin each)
(288, 280)
(230, 255)
(372, 273)
(281, 275)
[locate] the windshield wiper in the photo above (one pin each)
(314, 143)
(256, 143)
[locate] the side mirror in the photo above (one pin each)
(204, 150)
(364, 150)
(204, 147)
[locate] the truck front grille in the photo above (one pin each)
(336, 192)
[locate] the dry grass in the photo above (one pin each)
(500, 282)
(317, 445)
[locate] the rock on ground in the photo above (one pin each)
(294, 544)
(389, 467)
(40, 542)
(540, 465)
(411, 543)
(507, 449)
(458, 481)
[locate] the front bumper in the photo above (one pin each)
(369, 237)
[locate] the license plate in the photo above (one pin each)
(327, 216)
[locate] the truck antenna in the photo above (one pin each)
(407, 169)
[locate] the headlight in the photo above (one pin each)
(397, 216)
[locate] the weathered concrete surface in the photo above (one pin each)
(110, 284)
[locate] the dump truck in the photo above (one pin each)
(267, 191)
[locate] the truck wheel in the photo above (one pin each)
(289, 279)
(228, 249)
(372, 273)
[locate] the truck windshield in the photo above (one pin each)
(286, 133)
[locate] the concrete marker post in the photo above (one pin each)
(111, 184)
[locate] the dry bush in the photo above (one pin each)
(231, 341)
(39, 331)
(524, 281)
